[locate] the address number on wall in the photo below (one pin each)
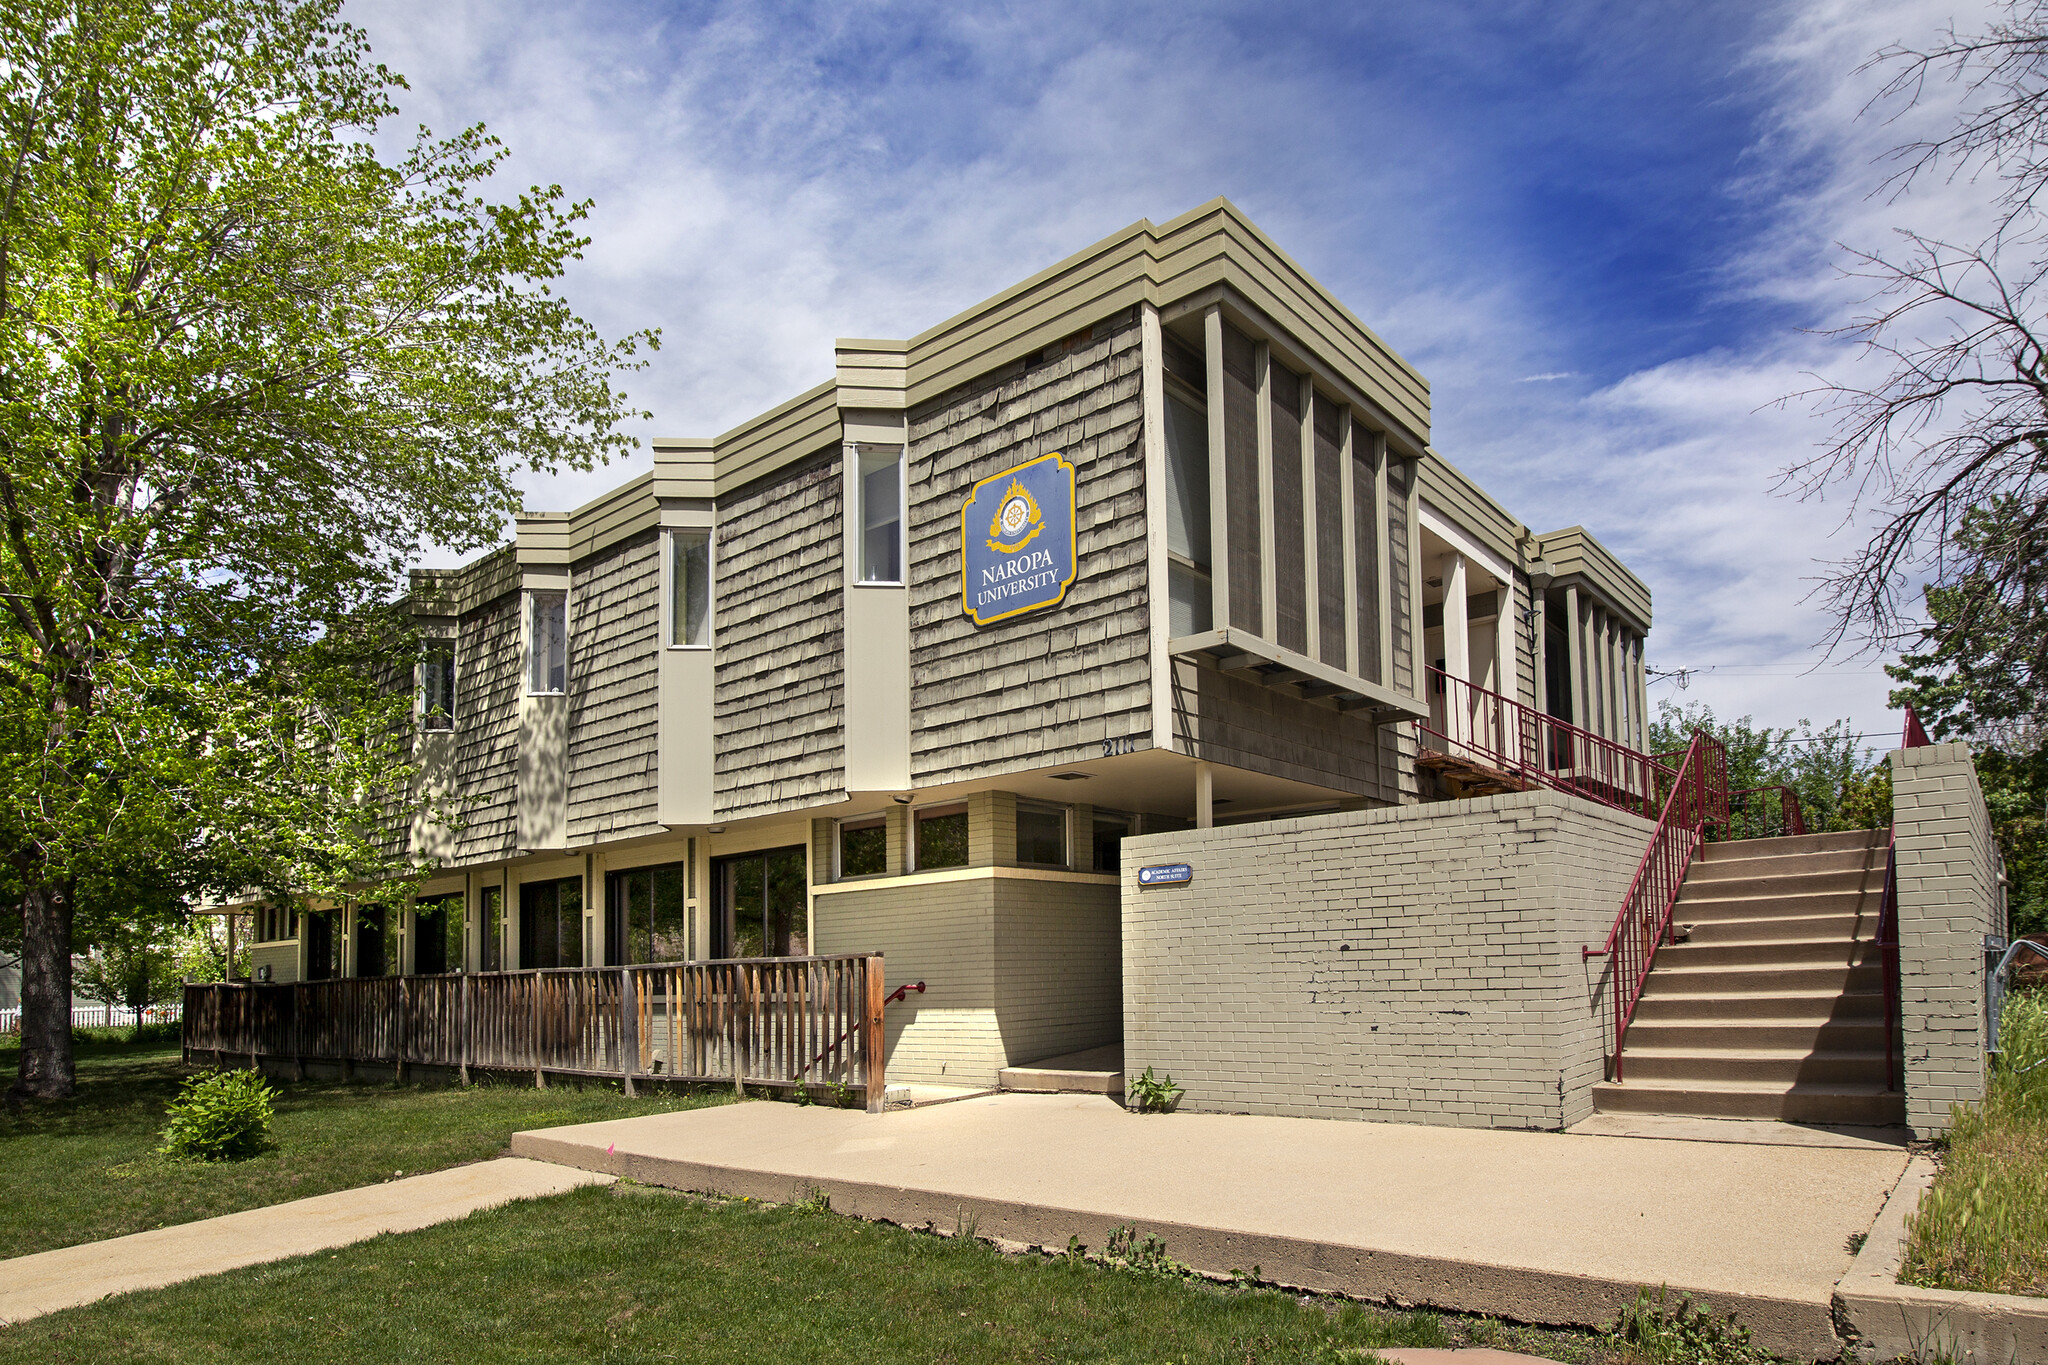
(1112, 747)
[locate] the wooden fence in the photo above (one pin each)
(773, 1021)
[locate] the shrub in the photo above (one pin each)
(224, 1116)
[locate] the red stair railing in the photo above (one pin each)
(1698, 797)
(1764, 813)
(1483, 727)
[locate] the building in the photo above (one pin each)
(1153, 541)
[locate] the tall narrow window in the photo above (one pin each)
(1190, 607)
(491, 928)
(689, 589)
(437, 686)
(547, 641)
(881, 514)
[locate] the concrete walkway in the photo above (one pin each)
(69, 1276)
(1538, 1227)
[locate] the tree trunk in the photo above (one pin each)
(47, 1072)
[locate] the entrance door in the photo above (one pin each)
(648, 915)
(760, 900)
(318, 927)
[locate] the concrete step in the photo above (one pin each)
(1734, 850)
(1845, 927)
(1809, 1035)
(1841, 860)
(1699, 887)
(1762, 1066)
(1819, 1006)
(1771, 952)
(1800, 1103)
(1675, 980)
(1701, 909)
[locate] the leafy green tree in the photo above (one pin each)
(1840, 783)
(248, 367)
(135, 973)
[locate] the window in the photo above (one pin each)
(864, 846)
(1189, 605)
(319, 946)
(551, 923)
(762, 905)
(275, 924)
(373, 940)
(1111, 829)
(491, 929)
(649, 913)
(437, 935)
(881, 514)
(547, 641)
(437, 686)
(1042, 835)
(689, 589)
(942, 837)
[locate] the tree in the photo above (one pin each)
(248, 368)
(1952, 433)
(1840, 783)
(136, 972)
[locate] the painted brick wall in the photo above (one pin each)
(1947, 896)
(1079, 671)
(1417, 964)
(941, 933)
(487, 729)
(614, 639)
(778, 707)
(1058, 978)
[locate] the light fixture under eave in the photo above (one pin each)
(714, 829)
(1071, 777)
(901, 800)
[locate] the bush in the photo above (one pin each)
(224, 1116)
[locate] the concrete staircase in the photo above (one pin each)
(1771, 1004)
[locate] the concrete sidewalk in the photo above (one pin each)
(49, 1280)
(1538, 1227)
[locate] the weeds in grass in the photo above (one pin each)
(811, 1199)
(1143, 1255)
(1658, 1332)
(1984, 1224)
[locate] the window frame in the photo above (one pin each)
(428, 659)
(671, 537)
(860, 516)
(873, 820)
(533, 598)
(1066, 817)
(933, 812)
(1201, 575)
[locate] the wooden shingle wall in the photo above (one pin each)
(487, 729)
(614, 638)
(779, 697)
(1049, 686)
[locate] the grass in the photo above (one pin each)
(632, 1275)
(84, 1169)
(1984, 1224)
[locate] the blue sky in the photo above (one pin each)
(1605, 233)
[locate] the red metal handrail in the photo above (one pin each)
(1478, 724)
(1697, 798)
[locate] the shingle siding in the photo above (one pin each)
(487, 729)
(1046, 687)
(614, 639)
(779, 696)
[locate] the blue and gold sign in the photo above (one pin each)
(1017, 529)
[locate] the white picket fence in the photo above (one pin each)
(100, 1016)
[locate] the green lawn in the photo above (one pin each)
(634, 1275)
(1984, 1225)
(82, 1169)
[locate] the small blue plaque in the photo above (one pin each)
(1017, 541)
(1166, 874)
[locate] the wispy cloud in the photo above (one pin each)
(1642, 200)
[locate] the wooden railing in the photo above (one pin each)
(777, 1021)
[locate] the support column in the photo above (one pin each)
(1205, 795)
(1540, 645)
(1457, 648)
(1575, 660)
(1643, 692)
(1219, 484)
